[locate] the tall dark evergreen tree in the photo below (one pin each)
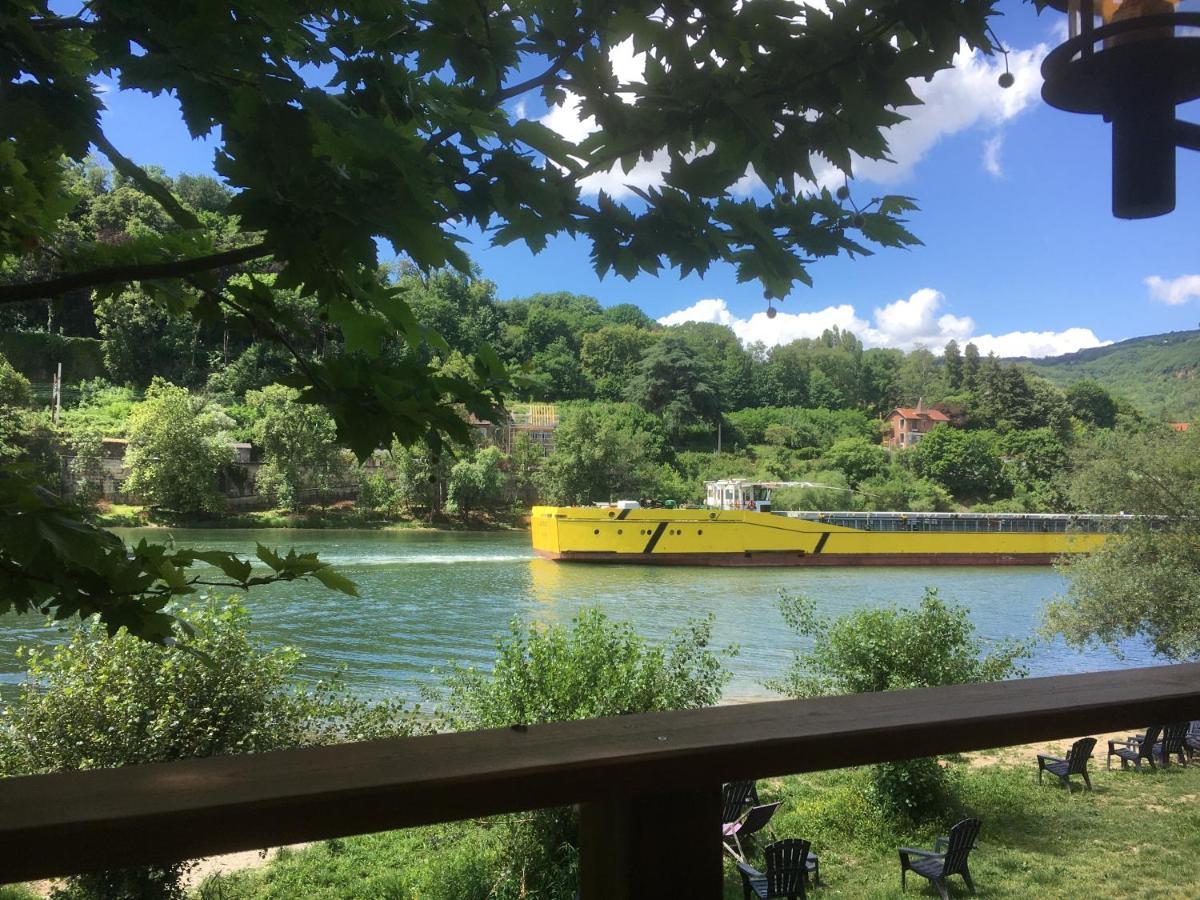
(953, 361)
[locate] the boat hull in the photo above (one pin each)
(603, 535)
(785, 558)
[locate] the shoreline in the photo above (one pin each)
(310, 521)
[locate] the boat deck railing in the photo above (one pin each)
(994, 523)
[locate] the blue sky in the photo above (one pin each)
(1021, 252)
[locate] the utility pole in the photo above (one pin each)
(56, 393)
(718, 437)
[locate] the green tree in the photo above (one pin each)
(299, 444)
(562, 375)
(721, 351)
(99, 701)
(176, 451)
(673, 382)
(827, 490)
(28, 439)
(142, 339)
(887, 649)
(610, 356)
(1146, 582)
(785, 377)
(477, 483)
(971, 367)
(604, 451)
(822, 392)
(1092, 404)
(858, 458)
(952, 361)
(525, 465)
(966, 463)
(880, 375)
(419, 475)
(1036, 460)
(920, 377)
(87, 469)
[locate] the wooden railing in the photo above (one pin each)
(648, 785)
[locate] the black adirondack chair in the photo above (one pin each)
(755, 821)
(1075, 763)
(1135, 749)
(1174, 743)
(939, 864)
(787, 868)
(1193, 738)
(735, 797)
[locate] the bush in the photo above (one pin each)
(899, 490)
(858, 458)
(15, 389)
(554, 673)
(885, 649)
(99, 702)
(830, 491)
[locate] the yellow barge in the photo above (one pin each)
(742, 531)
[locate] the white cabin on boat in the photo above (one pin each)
(738, 494)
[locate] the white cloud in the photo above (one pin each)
(1174, 291)
(991, 155)
(784, 328)
(1038, 343)
(904, 323)
(957, 99)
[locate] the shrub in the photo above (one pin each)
(593, 668)
(889, 648)
(98, 702)
(858, 458)
(15, 389)
(830, 491)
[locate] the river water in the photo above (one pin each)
(431, 597)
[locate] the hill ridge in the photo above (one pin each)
(1158, 373)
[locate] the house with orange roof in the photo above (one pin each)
(909, 424)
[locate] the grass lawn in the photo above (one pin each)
(1134, 836)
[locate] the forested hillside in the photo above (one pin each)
(642, 408)
(1158, 373)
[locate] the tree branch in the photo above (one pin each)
(53, 287)
(499, 96)
(183, 217)
(62, 23)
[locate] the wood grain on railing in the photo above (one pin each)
(78, 821)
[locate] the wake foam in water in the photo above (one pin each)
(414, 559)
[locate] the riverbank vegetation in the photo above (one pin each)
(102, 700)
